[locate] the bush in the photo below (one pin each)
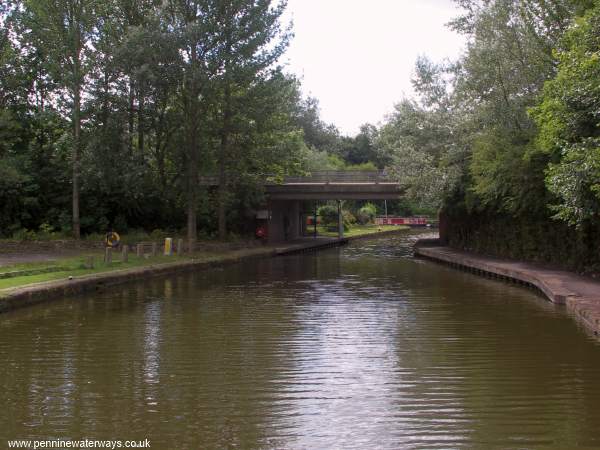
(46, 232)
(329, 217)
(159, 235)
(328, 214)
(367, 214)
(363, 167)
(95, 237)
(24, 234)
(348, 217)
(135, 236)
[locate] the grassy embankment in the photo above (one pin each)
(23, 274)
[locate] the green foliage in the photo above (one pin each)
(170, 91)
(366, 214)
(575, 180)
(506, 175)
(569, 122)
(525, 237)
(348, 217)
(24, 235)
(362, 167)
(508, 136)
(329, 216)
(469, 139)
(315, 160)
(152, 114)
(328, 213)
(425, 139)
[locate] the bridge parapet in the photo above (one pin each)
(338, 176)
(321, 177)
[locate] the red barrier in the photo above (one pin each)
(411, 221)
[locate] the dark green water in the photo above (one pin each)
(359, 347)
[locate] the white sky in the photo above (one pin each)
(357, 56)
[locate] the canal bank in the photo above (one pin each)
(18, 297)
(22, 296)
(397, 352)
(580, 295)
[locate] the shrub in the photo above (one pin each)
(24, 234)
(159, 235)
(349, 218)
(329, 217)
(367, 214)
(328, 214)
(95, 237)
(135, 236)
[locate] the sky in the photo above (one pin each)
(357, 57)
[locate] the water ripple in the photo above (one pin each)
(360, 347)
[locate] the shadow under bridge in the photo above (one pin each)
(284, 216)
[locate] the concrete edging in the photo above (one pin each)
(581, 296)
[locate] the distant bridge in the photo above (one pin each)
(283, 215)
(329, 185)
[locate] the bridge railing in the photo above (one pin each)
(337, 176)
(322, 176)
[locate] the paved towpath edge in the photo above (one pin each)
(580, 295)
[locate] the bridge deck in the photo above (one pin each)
(330, 185)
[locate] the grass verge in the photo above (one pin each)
(64, 267)
(360, 230)
(74, 267)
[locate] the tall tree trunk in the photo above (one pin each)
(223, 186)
(192, 235)
(131, 115)
(222, 201)
(141, 130)
(76, 151)
(223, 154)
(192, 150)
(192, 185)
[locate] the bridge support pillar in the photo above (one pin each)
(284, 222)
(340, 220)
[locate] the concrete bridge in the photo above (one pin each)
(283, 214)
(333, 185)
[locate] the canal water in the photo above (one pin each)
(358, 347)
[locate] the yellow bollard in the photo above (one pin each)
(168, 247)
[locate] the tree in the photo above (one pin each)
(196, 30)
(65, 32)
(425, 138)
(250, 42)
(568, 119)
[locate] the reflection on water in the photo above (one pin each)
(360, 347)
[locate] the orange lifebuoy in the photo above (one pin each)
(113, 239)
